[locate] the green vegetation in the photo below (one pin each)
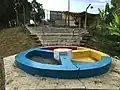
(116, 4)
(14, 10)
(37, 11)
(107, 34)
(7, 12)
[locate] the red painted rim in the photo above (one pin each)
(55, 47)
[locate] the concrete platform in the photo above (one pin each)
(16, 79)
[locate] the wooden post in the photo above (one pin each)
(79, 28)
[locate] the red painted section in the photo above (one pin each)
(69, 47)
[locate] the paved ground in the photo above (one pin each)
(16, 79)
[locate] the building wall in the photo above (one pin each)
(61, 19)
(65, 16)
(63, 23)
(55, 15)
(59, 22)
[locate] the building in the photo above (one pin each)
(57, 18)
(56, 15)
(66, 18)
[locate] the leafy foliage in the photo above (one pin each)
(116, 5)
(107, 34)
(106, 17)
(114, 26)
(22, 6)
(37, 10)
(7, 12)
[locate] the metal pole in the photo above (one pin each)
(68, 12)
(47, 14)
(86, 16)
(79, 29)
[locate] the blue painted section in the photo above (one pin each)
(89, 69)
(68, 69)
(92, 65)
(66, 62)
(47, 54)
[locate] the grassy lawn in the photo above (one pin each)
(12, 41)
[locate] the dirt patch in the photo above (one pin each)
(12, 41)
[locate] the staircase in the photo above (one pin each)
(85, 40)
(56, 36)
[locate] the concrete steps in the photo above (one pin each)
(57, 36)
(85, 39)
(59, 42)
(54, 30)
(32, 35)
(36, 38)
(62, 44)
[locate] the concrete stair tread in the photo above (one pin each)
(38, 41)
(82, 44)
(85, 38)
(58, 34)
(84, 41)
(52, 37)
(32, 35)
(36, 38)
(87, 35)
(54, 40)
(59, 44)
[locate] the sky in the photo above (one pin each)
(75, 5)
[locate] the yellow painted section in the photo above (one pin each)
(81, 55)
(84, 59)
(82, 48)
(87, 55)
(97, 54)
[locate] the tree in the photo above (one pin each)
(109, 21)
(37, 10)
(106, 16)
(116, 5)
(23, 7)
(114, 25)
(107, 34)
(7, 12)
(3, 7)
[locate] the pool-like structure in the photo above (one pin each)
(85, 62)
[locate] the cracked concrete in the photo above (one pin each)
(82, 83)
(16, 79)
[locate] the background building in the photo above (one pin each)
(60, 18)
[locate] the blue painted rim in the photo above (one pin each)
(68, 69)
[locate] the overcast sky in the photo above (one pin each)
(75, 5)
